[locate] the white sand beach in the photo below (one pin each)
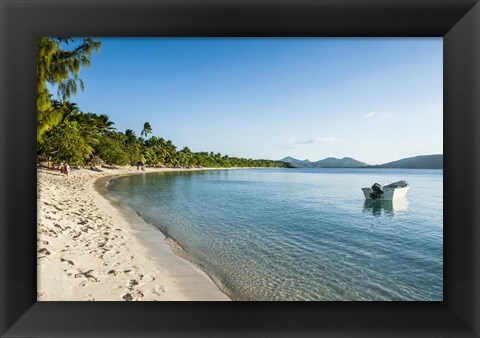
(92, 249)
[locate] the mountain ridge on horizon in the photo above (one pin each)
(434, 161)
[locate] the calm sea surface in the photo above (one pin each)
(300, 234)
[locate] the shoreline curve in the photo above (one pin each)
(90, 247)
(101, 186)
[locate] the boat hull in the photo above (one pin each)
(389, 194)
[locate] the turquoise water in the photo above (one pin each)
(300, 234)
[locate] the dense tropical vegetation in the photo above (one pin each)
(67, 135)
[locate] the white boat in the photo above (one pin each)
(387, 192)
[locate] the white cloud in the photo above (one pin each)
(378, 116)
(318, 140)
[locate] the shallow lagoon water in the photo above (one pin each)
(300, 234)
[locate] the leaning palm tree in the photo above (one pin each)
(147, 129)
(59, 66)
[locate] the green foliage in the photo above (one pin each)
(83, 135)
(134, 152)
(65, 143)
(65, 134)
(58, 67)
(147, 129)
(112, 151)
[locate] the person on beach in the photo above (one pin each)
(64, 169)
(138, 165)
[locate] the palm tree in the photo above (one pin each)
(70, 109)
(130, 134)
(147, 129)
(163, 149)
(171, 151)
(104, 124)
(59, 67)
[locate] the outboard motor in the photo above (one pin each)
(377, 191)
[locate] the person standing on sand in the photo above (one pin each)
(65, 169)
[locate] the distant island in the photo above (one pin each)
(330, 162)
(417, 162)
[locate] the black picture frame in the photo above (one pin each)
(457, 21)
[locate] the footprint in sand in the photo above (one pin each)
(132, 270)
(87, 274)
(56, 225)
(133, 295)
(132, 283)
(44, 251)
(158, 290)
(52, 233)
(70, 262)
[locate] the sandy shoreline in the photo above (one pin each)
(91, 248)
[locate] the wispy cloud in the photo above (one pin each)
(318, 140)
(295, 143)
(379, 116)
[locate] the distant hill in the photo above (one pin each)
(417, 162)
(330, 162)
(295, 162)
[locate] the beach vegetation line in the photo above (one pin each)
(65, 134)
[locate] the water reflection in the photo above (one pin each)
(389, 208)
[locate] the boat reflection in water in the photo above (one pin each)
(389, 208)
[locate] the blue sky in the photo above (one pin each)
(373, 99)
